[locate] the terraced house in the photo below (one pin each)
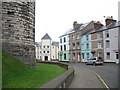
(105, 41)
(86, 43)
(64, 54)
(110, 35)
(78, 43)
(74, 39)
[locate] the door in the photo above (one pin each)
(46, 58)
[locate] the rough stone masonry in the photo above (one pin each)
(18, 29)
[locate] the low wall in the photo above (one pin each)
(63, 80)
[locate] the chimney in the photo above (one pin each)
(75, 24)
(109, 20)
(97, 25)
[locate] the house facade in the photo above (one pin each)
(54, 51)
(91, 39)
(64, 54)
(111, 43)
(38, 50)
(86, 46)
(97, 44)
(46, 50)
(74, 41)
(105, 41)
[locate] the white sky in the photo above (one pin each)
(55, 17)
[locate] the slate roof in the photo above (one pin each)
(38, 43)
(55, 43)
(46, 36)
(103, 28)
(68, 32)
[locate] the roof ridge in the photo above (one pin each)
(46, 36)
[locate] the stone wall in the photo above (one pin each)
(18, 30)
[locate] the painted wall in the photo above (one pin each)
(46, 43)
(84, 49)
(38, 50)
(61, 53)
(113, 49)
(54, 52)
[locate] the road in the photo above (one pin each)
(86, 78)
(109, 73)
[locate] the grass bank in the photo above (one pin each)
(17, 75)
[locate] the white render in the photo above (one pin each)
(46, 43)
(46, 50)
(54, 52)
(113, 49)
(38, 50)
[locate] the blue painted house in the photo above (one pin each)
(86, 46)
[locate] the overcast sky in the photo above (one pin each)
(55, 17)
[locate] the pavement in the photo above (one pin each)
(85, 78)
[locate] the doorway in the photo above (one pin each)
(46, 58)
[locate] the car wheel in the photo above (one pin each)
(86, 63)
(94, 64)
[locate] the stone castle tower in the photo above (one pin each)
(18, 29)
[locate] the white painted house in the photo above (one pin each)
(111, 43)
(46, 50)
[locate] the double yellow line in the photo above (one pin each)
(102, 80)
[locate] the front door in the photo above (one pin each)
(46, 58)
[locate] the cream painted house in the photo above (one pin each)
(111, 43)
(46, 50)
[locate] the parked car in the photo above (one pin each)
(94, 61)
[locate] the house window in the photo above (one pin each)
(73, 55)
(47, 51)
(43, 51)
(78, 45)
(40, 51)
(64, 56)
(61, 40)
(83, 55)
(64, 47)
(44, 46)
(87, 45)
(107, 34)
(108, 55)
(64, 39)
(87, 55)
(117, 56)
(61, 47)
(77, 36)
(98, 36)
(73, 37)
(107, 44)
(99, 45)
(87, 37)
(73, 44)
(47, 46)
(99, 54)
